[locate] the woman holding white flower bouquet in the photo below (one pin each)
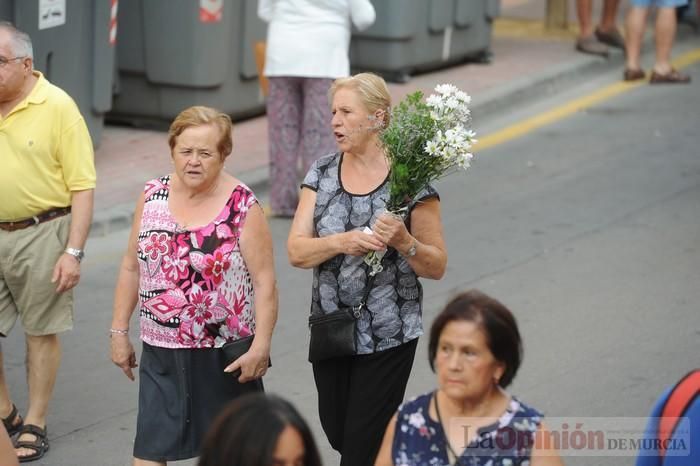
(342, 216)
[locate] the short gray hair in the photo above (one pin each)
(21, 42)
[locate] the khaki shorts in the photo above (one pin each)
(27, 260)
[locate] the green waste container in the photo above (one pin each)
(174, 54)
(74, 46)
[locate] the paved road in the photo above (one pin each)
(589, 229)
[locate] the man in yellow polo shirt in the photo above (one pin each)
(46, 191)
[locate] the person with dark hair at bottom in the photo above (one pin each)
(259, 430)
(475, 350)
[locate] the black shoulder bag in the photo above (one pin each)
(333, 334)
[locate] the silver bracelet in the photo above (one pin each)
(118, 331)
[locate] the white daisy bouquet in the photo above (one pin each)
(424, 141)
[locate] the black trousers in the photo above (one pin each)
(357, 395)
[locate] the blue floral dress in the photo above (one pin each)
(419, 440)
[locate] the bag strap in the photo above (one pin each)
(368, 287)
(676, 405)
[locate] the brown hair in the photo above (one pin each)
(496, 320)
(200, 116)
(372, 90)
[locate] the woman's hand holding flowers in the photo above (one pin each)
(359, 243)
(391, 229)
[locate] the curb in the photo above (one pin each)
(486, 105)
(555, 79)
(548, 82)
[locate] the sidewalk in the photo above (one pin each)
(527, 62)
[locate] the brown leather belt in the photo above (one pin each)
(37, 219)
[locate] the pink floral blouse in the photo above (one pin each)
(194, 288)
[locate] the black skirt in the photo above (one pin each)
(181, 391)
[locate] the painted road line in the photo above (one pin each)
(558, 113)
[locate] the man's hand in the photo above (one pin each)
(66, 273)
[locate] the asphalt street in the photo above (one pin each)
(587, 228)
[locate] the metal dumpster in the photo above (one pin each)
(176, 53)
(471, 38)
(415, 35)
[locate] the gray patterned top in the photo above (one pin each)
(394, 304)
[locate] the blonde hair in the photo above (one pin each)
(200, 116)
(372, 90)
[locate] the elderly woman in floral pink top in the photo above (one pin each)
(199, 267)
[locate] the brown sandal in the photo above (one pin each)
(633, 75)
(40, 444)
(672, 77)
(11, 426)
